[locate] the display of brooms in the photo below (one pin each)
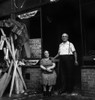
(12, 64)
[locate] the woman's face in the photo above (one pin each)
(46, 54)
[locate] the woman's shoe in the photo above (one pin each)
(44, 93)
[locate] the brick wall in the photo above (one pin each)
(88, 80)
(32, 77)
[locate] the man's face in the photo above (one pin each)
(65, 37)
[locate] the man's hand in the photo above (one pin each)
(76, 63)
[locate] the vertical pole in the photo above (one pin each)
(81, 28)
(41, 31)
(82, 37)
(12, 10)
(15, 64)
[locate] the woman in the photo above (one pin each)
(48, 74)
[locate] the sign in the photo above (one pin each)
(35, 47)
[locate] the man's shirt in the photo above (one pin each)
(66, 48)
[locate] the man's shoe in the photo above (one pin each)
(62, 92)
(49, 93)
(44, 93)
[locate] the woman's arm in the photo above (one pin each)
(52, 67)
(42, 67)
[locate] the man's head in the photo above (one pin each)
(65, 37)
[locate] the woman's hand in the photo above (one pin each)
(49, 69)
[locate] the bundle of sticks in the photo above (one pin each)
(12, 63)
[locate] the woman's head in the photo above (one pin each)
(46, 53)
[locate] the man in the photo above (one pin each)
(67, 61)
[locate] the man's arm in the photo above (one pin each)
(56, 56)
(75, 56)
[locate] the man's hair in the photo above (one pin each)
(65, 34)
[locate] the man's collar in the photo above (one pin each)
(65, 42)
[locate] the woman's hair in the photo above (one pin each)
(44, 52)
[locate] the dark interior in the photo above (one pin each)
(76, 17)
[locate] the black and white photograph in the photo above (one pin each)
(47, 49)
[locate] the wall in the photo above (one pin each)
(88, 80)
(32, 77)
